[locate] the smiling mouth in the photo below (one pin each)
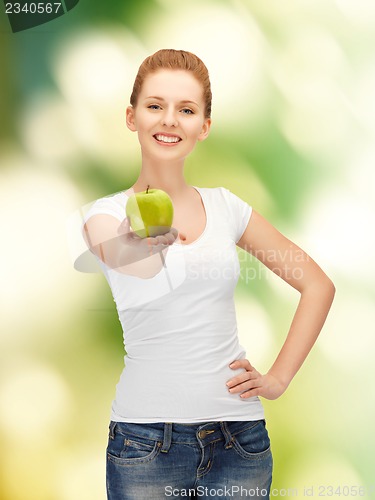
(168, 139)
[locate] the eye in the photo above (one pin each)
(187, 111)
(154, 106)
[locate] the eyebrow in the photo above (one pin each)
(181, 102)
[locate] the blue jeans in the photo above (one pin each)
(211, 460)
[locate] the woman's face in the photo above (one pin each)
(169, 115)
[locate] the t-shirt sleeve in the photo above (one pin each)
(239, 212)
(83, 259)
(105, 206)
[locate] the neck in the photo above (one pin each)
(166, 176)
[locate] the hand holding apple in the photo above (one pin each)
(147, 246)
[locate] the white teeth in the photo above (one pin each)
(164, 138)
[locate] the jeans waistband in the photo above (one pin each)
(169, 432)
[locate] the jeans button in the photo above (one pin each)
(202, 434)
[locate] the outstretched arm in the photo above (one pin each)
(120, 248)
(317, 291)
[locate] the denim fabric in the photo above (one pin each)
(208, 460)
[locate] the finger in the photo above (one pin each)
(251, 393)
(239, 379)
(174, 232)
(165, 239)
(171, 237)
(246, 385)
(244, 377)
(241, 363)
(158, 241)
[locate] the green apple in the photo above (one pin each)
(150, 212)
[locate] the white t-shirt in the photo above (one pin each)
(180, 329)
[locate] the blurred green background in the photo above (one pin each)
(293, 135)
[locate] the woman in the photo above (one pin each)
(187, 419)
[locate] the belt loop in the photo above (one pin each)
(227, 435)
(112, 426)
(167, 438)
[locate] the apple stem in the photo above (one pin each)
(147, 189)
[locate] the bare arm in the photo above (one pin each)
(121, 249)
(317, 291)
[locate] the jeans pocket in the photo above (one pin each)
(132, 450)
(253, 442)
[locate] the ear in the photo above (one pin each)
(130, 118)
(205, 130)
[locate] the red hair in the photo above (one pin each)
(174, 59)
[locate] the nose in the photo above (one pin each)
(169, 118)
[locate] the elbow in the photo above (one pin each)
(328, 284)
(331, 288)
(327, 288)
(321, 286)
